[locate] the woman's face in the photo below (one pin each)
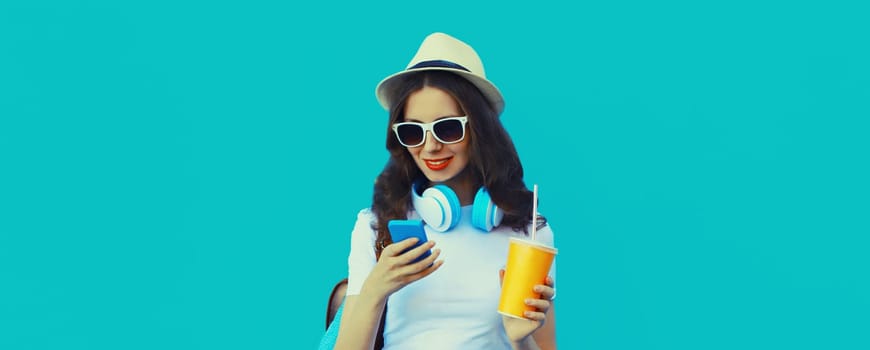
(439, 162)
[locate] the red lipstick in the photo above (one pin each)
(437, 164)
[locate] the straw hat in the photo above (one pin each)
(440, 51)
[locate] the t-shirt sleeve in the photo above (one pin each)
(361, 259)
(545, 235)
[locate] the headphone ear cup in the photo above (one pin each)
(485, 215)
(429, 209)
(448, 202)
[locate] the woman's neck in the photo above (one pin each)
(464, 192)
(463, 187)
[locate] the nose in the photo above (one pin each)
(430, 144)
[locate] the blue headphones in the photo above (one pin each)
(439, 207)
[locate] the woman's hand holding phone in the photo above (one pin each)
(403, 262)
(401, 230)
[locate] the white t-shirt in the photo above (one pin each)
(456, 306)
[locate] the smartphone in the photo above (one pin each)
(401, 230)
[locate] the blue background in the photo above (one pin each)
(185, 175)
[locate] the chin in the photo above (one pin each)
(439, 177)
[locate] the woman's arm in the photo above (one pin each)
(394, 270)
(545, 336)
(542, 339)
(359, 322)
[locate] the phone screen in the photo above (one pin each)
(401, 230)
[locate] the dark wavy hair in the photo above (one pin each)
(493, 160)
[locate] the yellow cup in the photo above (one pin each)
(528, 264)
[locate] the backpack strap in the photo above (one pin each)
(379, 341)
(336, 298)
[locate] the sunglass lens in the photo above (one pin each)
(410, 135)
(450, 130)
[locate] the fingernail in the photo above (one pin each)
(528, 301)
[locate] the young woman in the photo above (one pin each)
(453, 165)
